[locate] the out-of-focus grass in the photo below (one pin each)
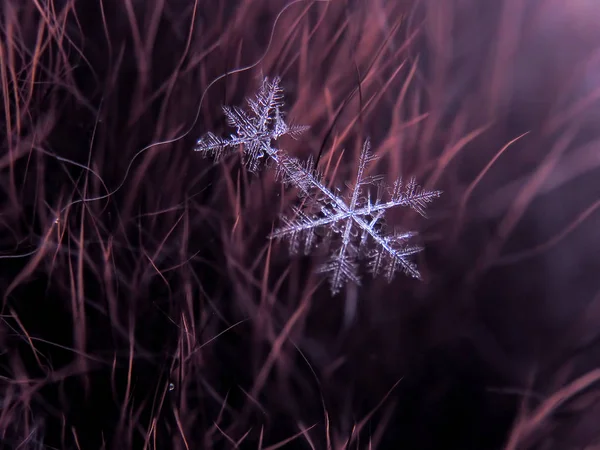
(168, 280)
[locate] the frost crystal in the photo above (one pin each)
(350, 226)
(357, 221)
(256, 128)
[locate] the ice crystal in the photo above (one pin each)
(256, 127)
(351, 227)
(354, 221)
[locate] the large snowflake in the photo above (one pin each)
(351, 227)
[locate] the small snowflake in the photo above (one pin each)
(255, 128)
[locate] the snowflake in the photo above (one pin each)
(355, 222)
(255, 128)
